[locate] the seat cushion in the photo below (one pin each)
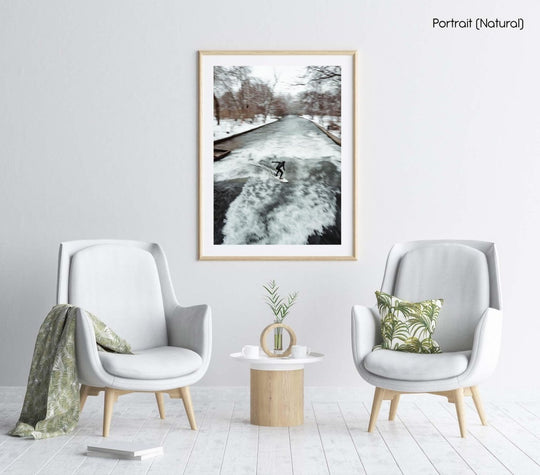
(155, 363)
(416, 366)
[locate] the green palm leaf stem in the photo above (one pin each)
(280, 308)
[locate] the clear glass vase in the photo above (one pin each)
(278, 340)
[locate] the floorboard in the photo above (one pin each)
(478, 457)
(307, 452)
(509, 454)
(209, 449)
(241, 450)
(523, 416)
(514, 431)
(424, 438)
(340, 451)
(372, 449)
(274, 451)
(442, 455)
(407, 453)
(179, 443)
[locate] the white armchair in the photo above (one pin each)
(127, 285)
(464, 274)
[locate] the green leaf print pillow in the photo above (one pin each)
(407, 326)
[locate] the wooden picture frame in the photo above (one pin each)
(277, 155)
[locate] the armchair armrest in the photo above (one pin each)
(191, 327)
(365, 331)
(486, 347)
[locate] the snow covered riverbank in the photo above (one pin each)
(229, 127)
(327, 122)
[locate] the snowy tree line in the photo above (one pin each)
(240, 95)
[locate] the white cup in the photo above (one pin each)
(250, 352)
(299, 351)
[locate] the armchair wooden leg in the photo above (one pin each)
(110, 398)
(186, 399)
(460, 410)
(83, 395)
(375, 408)
(393, 407)
(161, 405)
(478, 404)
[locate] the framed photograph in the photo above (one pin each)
(277, 155)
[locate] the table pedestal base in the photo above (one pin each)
(277, 398)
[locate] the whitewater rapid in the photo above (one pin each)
(267, 211)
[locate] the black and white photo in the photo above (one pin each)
(277, 155)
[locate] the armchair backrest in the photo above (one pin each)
(463, 273)
(126, 284)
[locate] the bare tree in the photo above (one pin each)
(329, 77)
(280, 106)
(323, 91)
(260, 96)
(216, 110)
(239, 95)
(270, 96)
(228, 81)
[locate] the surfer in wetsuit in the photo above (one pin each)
(280, 168)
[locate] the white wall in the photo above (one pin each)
(98, 138)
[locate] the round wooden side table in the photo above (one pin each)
(277, 389)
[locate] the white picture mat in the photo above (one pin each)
(347, 247)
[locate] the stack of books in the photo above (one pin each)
(124, 450)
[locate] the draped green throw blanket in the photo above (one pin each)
(51, 404)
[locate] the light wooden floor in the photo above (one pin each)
(423, 439)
